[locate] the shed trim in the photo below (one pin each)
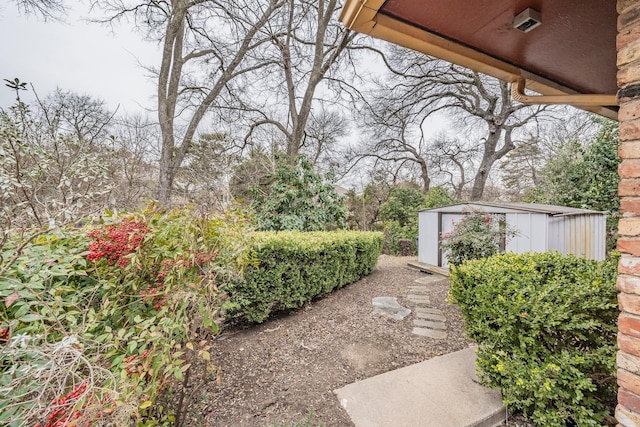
(552, 210)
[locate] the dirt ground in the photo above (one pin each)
(279, 372)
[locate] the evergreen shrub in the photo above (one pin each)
(292, 268)
(546, 328)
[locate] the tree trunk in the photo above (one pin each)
(490, 156)
(488, 159)
(480, 180)
(424, 173)
(293, 145)
(165, 185)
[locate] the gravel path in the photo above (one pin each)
(279, 372)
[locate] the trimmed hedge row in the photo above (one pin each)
(546, 326)
(293, 268)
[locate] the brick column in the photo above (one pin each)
(628, 48)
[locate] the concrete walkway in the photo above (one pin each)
(440, 392)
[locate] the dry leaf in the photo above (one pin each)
(11, 299)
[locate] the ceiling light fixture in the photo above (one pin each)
(527, 20)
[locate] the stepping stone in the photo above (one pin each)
(428, 310)
(431, 333)
(427, 280)
(423, 300)
(431, 316)
(418, 289)
(428, 324)
(389, 307)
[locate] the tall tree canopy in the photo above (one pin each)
(480, 107)
(585, 175)
(248, 63)
(206, 44)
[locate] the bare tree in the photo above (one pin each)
(204, 178)
(364, 208)
(132, 152)
(205, 45)
(47, 9)
(451, 160)
(323, 133)
(308, 43)
(420, 86)
(521, 168)
(83, 116)
(394, 136)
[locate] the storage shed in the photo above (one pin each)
(539, 228)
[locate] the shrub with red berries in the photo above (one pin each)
(64, 411)
(135, 317)
(116, 241)
(477, 235)
(5, 335)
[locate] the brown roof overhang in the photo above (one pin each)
(572, 52)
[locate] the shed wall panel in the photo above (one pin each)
(531, 229)
(581, 235)
(600, 241)
(428, 236)
(555, 234)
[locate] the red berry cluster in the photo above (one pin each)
(5, 335)
(59, 417)
(199, 259)
(137, 366)
(116, 241)
(151, 295)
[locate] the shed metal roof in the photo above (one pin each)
(504, 207)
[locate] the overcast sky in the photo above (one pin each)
(75, 55)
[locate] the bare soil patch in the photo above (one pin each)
(278, 372)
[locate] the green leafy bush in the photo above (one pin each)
(584, 174)
(394, 232)
(48, 288)
(293, 268)
(97, 326)
(298, 199)
(400, 213)
(546, 326)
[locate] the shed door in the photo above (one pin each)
(449, 220)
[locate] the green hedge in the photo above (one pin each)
(546, 326)
(293, 268)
